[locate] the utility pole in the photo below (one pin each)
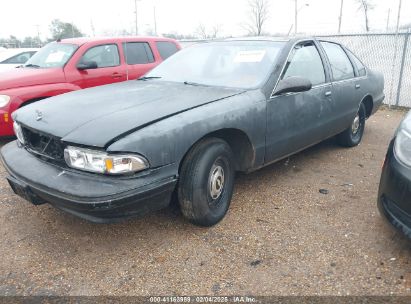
(398, 16)
(135, 5)
(92, 28)
(388, 19)
(340, 18)
(155, 20)
(72, 29)
(38, 34)
(295, 16)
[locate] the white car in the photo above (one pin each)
(11, 58)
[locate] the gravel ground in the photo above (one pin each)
(280, 237)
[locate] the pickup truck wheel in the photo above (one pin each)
(352, 136)
(206, 182)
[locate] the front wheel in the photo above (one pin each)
(352, 136)
(206, 182)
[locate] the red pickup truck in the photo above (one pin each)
(78, 63)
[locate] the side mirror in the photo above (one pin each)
(87, 65)
(293, 84)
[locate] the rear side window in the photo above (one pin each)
(166, 49)
(138, 53)
(104, 55)
(360, 66)
(341, 66)
(306, 62)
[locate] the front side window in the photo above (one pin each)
(103, 55)
(341, 66)
(166, 49)
(138, 53)
(53, 55)
(305, 61)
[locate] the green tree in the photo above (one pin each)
(31, 42)
(61, 30)
(14, 42)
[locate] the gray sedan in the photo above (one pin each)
(184, 129)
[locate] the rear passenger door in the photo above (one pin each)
(360, 74)
(139, 58)
(346, 88)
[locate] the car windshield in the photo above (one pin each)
(238, 64)
(53, 55)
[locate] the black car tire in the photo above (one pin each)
(352, 136)
(206, 182)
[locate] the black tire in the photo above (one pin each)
(206, 182)
(352, 136)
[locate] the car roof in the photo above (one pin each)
(288, 39)
(259, 38)
(84, 40)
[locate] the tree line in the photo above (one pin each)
(58, 30)
(254, 25)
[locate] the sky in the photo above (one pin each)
(25, 17)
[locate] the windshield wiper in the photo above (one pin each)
(195, 83)
(30, 65)
(149, 77)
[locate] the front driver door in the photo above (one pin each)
(109, 68)
(297, 120)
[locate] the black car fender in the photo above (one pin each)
(167, 141)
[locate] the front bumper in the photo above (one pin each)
(394, 195)
(90, 196)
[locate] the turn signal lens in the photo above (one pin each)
(402, 147)
(19, 132)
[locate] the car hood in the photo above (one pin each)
(100, 115)
(24, 77)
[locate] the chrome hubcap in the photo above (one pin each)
(216, 181)
(355, 124)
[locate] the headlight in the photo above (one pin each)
(19, 132)
(101, 162)
(4, 100)
(402, 147)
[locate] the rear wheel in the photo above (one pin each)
(206, 182)
(352, 136)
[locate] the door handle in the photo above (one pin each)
(357, 86)
(116, 75)
(328, 93)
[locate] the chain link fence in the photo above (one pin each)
(389, 54)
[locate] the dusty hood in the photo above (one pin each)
(96, 116)
(25, 77)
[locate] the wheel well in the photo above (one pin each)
(239, 143)
(27, 102)
(369, 104)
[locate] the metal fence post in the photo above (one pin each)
(404, 52)
(393, 69)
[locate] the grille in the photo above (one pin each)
(43, 144)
